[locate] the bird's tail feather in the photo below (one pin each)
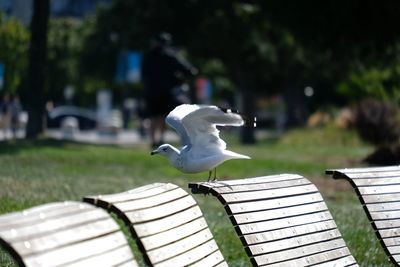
(234, 155)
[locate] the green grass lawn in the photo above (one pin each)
(33, 173)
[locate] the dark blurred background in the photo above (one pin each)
(282, 60)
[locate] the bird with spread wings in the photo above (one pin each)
(202, 148)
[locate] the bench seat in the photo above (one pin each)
(378, 189)
(167, 223)
(65, 234)
(282, 220)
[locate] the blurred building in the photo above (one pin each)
(22, 9)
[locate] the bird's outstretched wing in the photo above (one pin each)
(196, 124)
(174, 119)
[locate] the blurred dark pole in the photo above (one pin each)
(37, 68)
(248, 132)
(248, 106)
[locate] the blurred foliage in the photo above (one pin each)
(264, 46)
(378, 122)
(64, 48)
(227, 40)
(378, 82)
(343, 49)
(14, 44)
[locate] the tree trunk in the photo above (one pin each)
(247, 107)
(37, 68)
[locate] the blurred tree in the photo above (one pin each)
(379, 80)
(14, 43)
(255, 56)
(35, 94)
(262, 46)
(337, 34)
(64, 47)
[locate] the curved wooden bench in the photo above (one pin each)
(167, 223)
(281, 220)
(65, 234)
(378, 189)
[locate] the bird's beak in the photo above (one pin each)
(153, 152)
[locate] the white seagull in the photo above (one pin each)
(202, 148)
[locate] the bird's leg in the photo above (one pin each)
(215, 175)
(209, 176)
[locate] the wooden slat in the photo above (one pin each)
(387, 224)
(381, 189)
(166, 237)
(151, 201)
(173, 249)
(386, 206)
(164, 224)
(396, 258)
(304, 229)
(214, 259)
(260, 186)
(381, 198)
(255, 180)
(128, 264)
(191, 256)
(284, 222)
(137, 193)
(274, 203)
(296, 241)
(385, 215)
(367, 169)
(394, 232)
(110, 258)
(391, 241)
(323, 257)
(268, 194)
(160, 211)
(345, 261)
(222, 264)
(394, 249)
(377, 175)
(279, 213)
(298, 252)
(374, 181)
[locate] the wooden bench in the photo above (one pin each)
(167, 224)
(281, 220)
(65, 234)
(378, 189)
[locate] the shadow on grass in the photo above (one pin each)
(14, 146)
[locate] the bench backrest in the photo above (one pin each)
(67, 234)
(378, 189)
(167, 223)
(281, 220)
